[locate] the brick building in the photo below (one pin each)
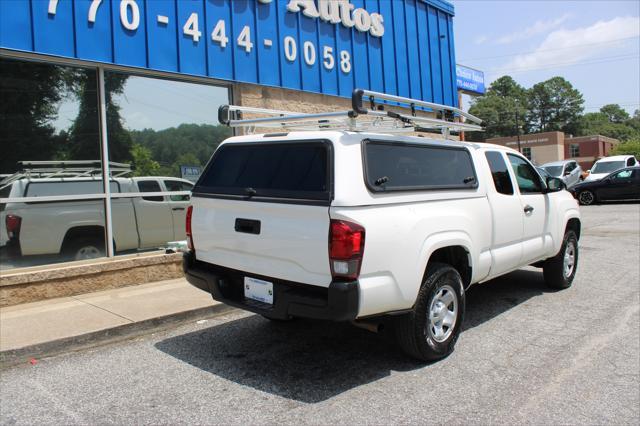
(587, 149)
(545, 147)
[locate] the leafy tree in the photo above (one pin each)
(630, 147)
(84, 136)
(634, 122)
(504, 101)
(187, 144)
(143, 163)
(30, 93)
(615, 113)
(611, 121)
(554, 105)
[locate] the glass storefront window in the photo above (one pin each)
(160, 133)
(50, 165)
(165, 131)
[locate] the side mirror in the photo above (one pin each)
(554, 184)
(588, 171)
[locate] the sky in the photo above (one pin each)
(153, 103)
(595, 45)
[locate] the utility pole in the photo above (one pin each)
(518, 131)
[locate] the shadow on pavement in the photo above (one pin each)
(311, 361)
(488, 300)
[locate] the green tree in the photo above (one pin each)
(30, 93)
(611, 121)
(554, 104)
(630, 147)
(143, 163)
(615, 113)
(84, 135)
(504, 101)
(187, 144)
(634, 122)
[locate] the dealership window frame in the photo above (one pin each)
(100, 70)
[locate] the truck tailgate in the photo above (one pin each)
(280, 240)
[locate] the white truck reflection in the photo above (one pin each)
(74, 229)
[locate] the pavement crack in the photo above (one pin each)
(104, 309)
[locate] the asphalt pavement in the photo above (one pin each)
(527, 355)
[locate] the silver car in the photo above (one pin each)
(567, 170)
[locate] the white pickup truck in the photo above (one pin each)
(352, 226)
(75, 229)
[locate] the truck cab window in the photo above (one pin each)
(176, 185)
(499, 172)
(527, 178)
(150, 186)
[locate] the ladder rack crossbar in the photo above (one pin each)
(64, 169)
(356, 119)
(359, 95)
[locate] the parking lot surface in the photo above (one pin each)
(526, 355)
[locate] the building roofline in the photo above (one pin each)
(443, 5)
(607, 138)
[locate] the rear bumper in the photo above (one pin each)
(338, 302)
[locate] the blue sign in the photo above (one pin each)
(469, 80)
(401, 47)
(191, 173)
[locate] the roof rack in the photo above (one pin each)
(65, 169)
(359, 118)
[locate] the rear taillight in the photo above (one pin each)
(13, 224)
(346, 248)
(188, 228)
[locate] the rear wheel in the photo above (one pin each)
(84, 248)
(430, 331)
(560, 270)
(586, 197)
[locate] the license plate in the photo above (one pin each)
(259, 290)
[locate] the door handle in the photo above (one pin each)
(528, 209)
(177, 208)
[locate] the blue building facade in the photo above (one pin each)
(401, 47)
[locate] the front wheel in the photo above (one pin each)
(586, 197)
(560, 270)
(430, 331)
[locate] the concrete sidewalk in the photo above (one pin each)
(48, 327)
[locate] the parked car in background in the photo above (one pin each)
(620, 185)
(607, 165)
(75, 229)
(568, 170)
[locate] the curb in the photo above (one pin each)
(119, 333)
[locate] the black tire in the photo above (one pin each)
(587, 197)
(414, 330)
(557, 275)
(83, 248)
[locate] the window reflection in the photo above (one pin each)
(50, 148)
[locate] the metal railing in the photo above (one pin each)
(377, 117)
(64, 169)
